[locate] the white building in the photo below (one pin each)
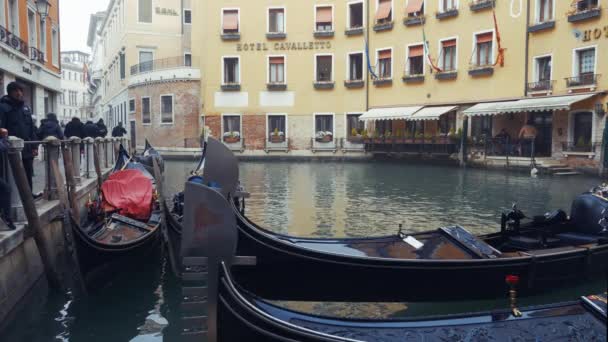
(75, 98)
(96, 64)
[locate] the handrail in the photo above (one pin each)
(163, 64)
(582, 80)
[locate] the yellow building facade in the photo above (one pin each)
(295, 76)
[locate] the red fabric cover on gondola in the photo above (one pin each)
(130, 191)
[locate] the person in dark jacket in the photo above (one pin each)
(119, 131)
(74, 128)
(50, 128)
(90, 130)
(103, 130)
(16, 118)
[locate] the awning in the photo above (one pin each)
(324, 14)
(231, 20)
(527, 105)
(414, 6)
(384, 10)
(395, 113)
(431, 113)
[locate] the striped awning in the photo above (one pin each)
(431, 113)
(527, 105)
(394, 113)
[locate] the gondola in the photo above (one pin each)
(119, 231)
(444, 264)
(243, 316)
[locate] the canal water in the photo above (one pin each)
(329, 199)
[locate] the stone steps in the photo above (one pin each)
(563, 174)
(555, 168)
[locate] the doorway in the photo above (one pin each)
(543, 121)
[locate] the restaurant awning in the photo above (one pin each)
(527, 105)
(431, 113)
(395, 113)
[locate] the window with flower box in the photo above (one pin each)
(324, 128)
(415, 60)
(483, 49)
(231, 130)
(448, 55)
(277, 129)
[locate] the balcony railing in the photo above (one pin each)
(163, 64)
(582, 80)
(19, 45)
(36, 55)
(546, 85)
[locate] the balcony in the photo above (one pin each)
(383, 81)
(323, 34)
(354, 31)
(37, 55)
(276, 35)
(448, 13)
(547, 25)
(585, 14)
(234, 86)
(354, 84)
(275, 86)
(230, 36)
(163, 64)
(383, 26)
(480, 5)
(413, 78)
(481, 70)
(541, 86)
(323, 85)
(446, 75)
(582, 80)
(414, 21)
(19, 45)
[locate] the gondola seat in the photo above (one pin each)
(527, 243)
(578, 238)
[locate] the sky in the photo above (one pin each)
(74, 19)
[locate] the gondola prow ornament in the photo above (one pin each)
(513, 281)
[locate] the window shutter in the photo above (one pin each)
(416, 51)
(384, 10)
(384, 54)
(276, 60)
(231, 20)
(485, 37)
(414, 6)
(324, 15)
(448, 43)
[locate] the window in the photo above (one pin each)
(43, 38)
(13, 16)
(583, 126)
(543, 69)
(276, 128)
(324, 68)
(384, 13)
(383, 127)
(324, 127)
(355, 67)
(483, 49)
(145, 111)
(585, 5)
(585, 62)
(231, 70)
(2, 14)
(545, 10)
(384, 64)
(187, 59)
(166, 109)
(355, 15)
(277, 69)
(415, 8)
(187, 17)
(146, 61)
(232, 127)
(31, 27)
(448, 55)
(481, 126)
(353, 124)
(122, 66)
(131, 105)
(415, 60)
(447, 123)
(230, 21)
(55, 47)
(447, 5)
(276, 20)
(324, 18)
(144, 11)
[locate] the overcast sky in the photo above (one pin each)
(74, 19)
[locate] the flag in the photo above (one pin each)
(87, 77)
(369, 62)
(500, 59)
(427, 52)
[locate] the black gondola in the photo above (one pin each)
(245, 317)
(108, 239)
(447, 263)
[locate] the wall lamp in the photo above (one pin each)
(43, 8)
(599, 109)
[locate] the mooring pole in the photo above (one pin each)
(75, 144)
(34, 227)
(71, 179)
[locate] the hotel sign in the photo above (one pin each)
(595, 34)
(285, 46)
(166, 11)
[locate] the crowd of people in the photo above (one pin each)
(16, 120)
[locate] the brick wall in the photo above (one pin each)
(254, 131)
(213, 121)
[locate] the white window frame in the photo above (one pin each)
(268, 57)
(191, 61)
(184, 16)
(17, 29)
(44, 40)
(424, 57)
(537, 12)
(222, 65)
(333, 67)
(31, 31)
(575, 62)
(55, 46)
(474, 50)
(594, 124)
(535, 66)
(142, 111)
(363, 68)
(268, 127)
(139, 58)
(392, 10)
(333, 126)
(160, 110)
(221, 135)
(238, 14)
(348, 4)
(346, 132)
(440, 49)
(151, 17)
(268, 9)
(378, 61)
(134, 105)
(333, 17)
(442, 9)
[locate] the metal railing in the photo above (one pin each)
(14, 41)
(163, 64)
(420, 144)
(582, 80)
(544, 85)
(580, 146)
(36, 55)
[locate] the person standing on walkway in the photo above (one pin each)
(50, 128)
(119, 131)
(16, 118)
(528, 134)
(103, 130)
(90, 130)
(74, 128)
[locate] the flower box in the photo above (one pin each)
(277, 139)
(355, 140)
(232, 140)
(325, 139)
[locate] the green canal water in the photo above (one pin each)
(310, 199)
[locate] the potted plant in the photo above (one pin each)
(355, 137)
(324, 137)
(277, 137)
(388, 137)
(419, 137)
(366, 138)
(429, 138)
(232, 137)
(409, 137)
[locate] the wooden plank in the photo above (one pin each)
(193, 292)
(198, 336)
(196, 322)
(197, 276)
(245, 260)
(195, 261)
(196, 307)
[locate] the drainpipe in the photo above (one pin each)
(527, 50)
(368, 24)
